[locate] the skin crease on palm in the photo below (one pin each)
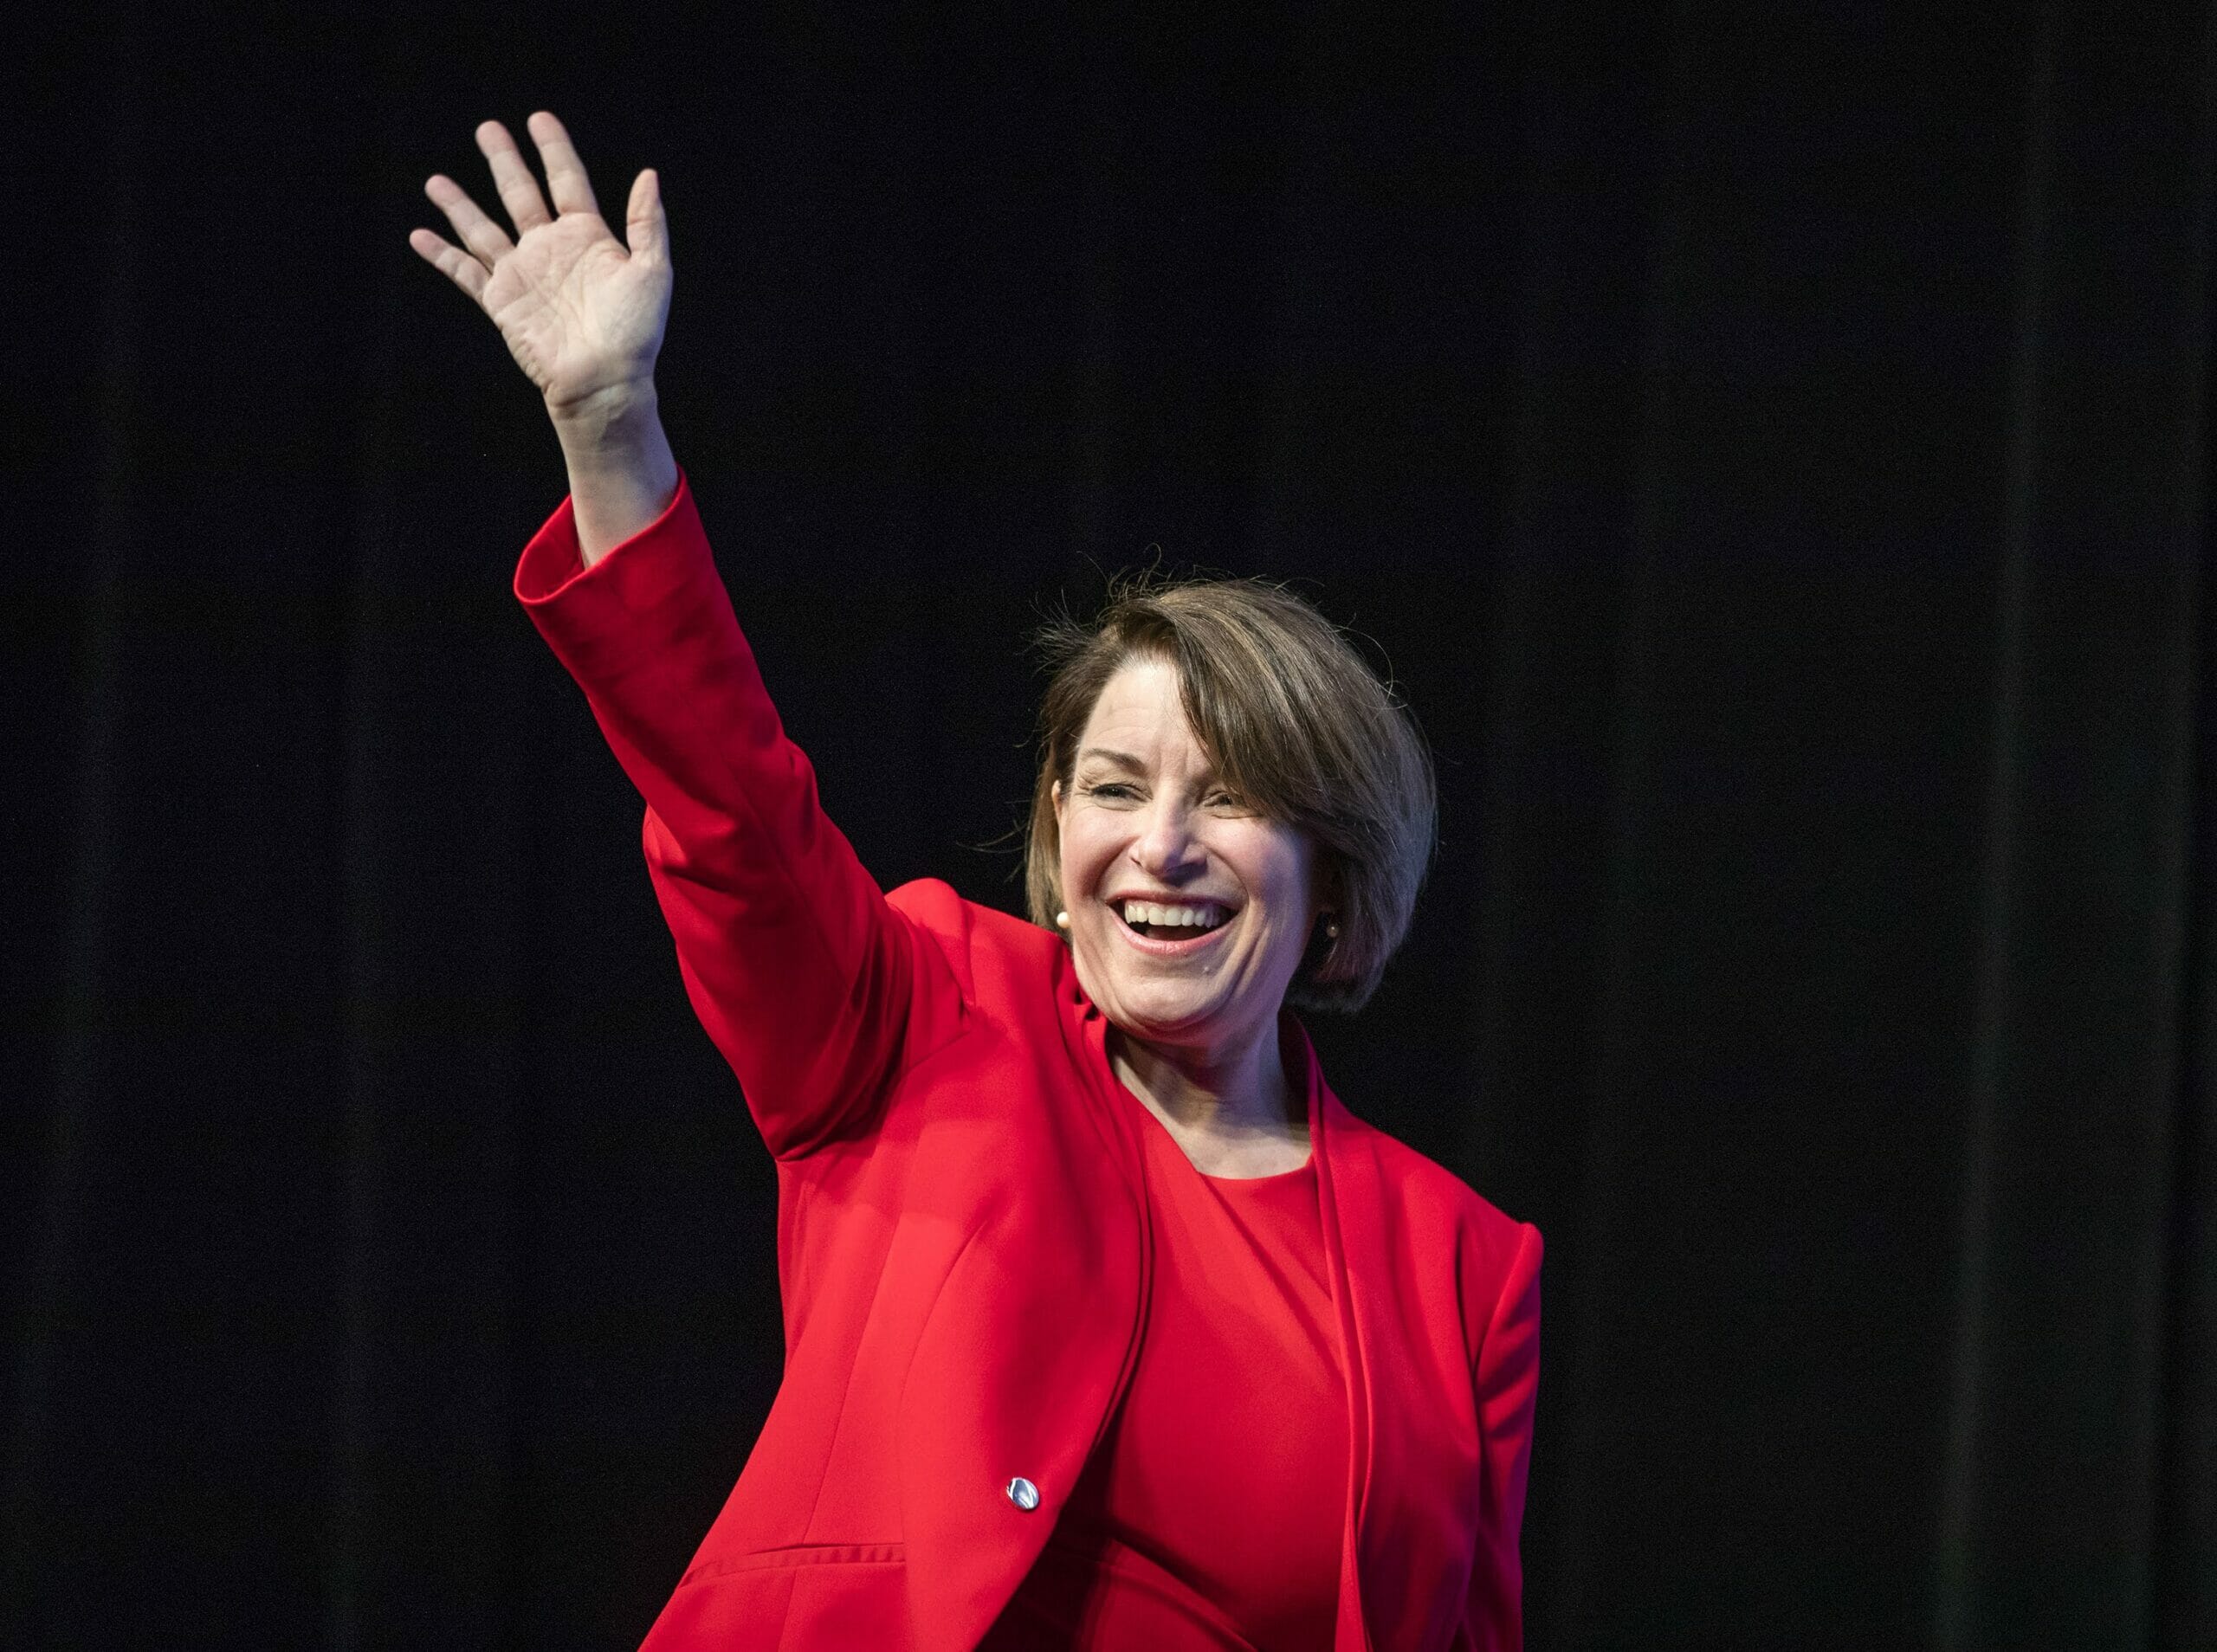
(1195, 1037)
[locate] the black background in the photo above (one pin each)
(1767, 446)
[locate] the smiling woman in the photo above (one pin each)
(1108, 1324)
(1297, 730)
(1231, 815)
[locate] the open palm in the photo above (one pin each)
(582, 312)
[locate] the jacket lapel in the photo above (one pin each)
(1348, 1199)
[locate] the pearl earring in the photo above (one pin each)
(1332, 928)
(1061, 920)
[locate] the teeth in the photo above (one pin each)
(1147, 912)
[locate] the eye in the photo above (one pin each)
(1113, 790)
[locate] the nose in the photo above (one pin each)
(1166, 848)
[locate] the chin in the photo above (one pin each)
(1169, 1017)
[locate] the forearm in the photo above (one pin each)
(801, 974)
(622, 472)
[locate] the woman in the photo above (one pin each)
(1106, 1324)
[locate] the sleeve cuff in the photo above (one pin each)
(551, 562)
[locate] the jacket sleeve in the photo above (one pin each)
(1506, 1379)
(802, 975)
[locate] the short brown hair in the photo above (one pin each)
(1297, 723)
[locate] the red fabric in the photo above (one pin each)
(963, 1246)
(1209, 1518)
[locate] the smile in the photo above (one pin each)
(1168, 929)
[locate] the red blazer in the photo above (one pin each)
(962, 1234)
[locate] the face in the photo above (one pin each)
(1189, 913)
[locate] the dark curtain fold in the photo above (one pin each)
(1768, 449)
(2081, 1118)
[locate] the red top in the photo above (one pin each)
(1209, 1518)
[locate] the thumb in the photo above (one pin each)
(646, 227)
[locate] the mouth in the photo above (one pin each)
(1168, 929)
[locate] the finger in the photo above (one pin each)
(479, 233)
(565, 173)
(519, 189)
(451, 262)
(646, 227)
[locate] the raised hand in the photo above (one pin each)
(583, 315)
(582, 312)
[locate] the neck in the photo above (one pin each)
(1235, 1093)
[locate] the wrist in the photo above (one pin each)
(615, 417)
(622, 472)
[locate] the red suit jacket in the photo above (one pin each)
(962, 1237)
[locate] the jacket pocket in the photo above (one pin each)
(808, 1596)
(801, 1554)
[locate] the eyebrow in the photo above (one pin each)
(1127, 761)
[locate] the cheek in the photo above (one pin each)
(1082, 859)
(1279, 868)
